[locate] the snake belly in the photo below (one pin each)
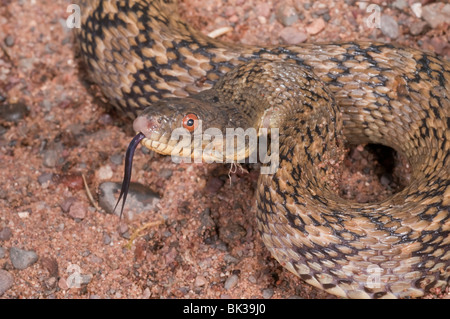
(139, 52)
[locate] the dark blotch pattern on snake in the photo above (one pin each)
(142, 55)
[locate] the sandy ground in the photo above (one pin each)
(199, 239)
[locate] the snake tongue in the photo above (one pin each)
(127, 171)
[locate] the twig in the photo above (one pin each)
(89, 194)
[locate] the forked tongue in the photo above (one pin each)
(127, 171)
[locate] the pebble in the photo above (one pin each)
(77, 210)
(6, 281)
(286, 15)
(50, 158)
(105, 172)
(400, 4)
(200, 281)
(436, 13)
(65, 206)
(232, 232)
(316, 26)
(417, 28)
(5, 233)
(45, 178)
(263, 10)
(389, 26)
(2, 252)
(140, 198)
(106, 239)
(417, 9)
(385, 180)
(231, 282)
(13, 112)
(292, 35)
(267, 293)
(95, 259)
(22, 259)
(116, 159)
(165, 173)
(9, 40)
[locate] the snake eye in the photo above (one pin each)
(190, 122)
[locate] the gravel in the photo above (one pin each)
(6, 281)
(22, 259)
(389, 26)
(267, 293)
(286, 15)
(13, 112)
(231, 282)
(5, 233)
(436, 14)
(292, 35)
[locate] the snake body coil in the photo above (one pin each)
(139, 53)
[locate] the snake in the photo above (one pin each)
(164, 74)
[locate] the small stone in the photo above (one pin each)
(6, 281)
(231, 282)
(9, 40)
(116, 159)
(65, 206)
(77, 210)
(2, 252)
(385, 180)
(50, 158)
(263, 10)
(400, 4)
(316, 26)
(140, 198)
(146, 293)
(286, 15)
(436, 14)
(417, 28)
(232, 232)
(165, 173)
(105, 172)
(389, 26)
(106, 239)
(123, 230)
(5, 233)
(206, 219)
(417, 9)
(22, 259)
(292, 35)
(96, 259)
(24, 214)
(267, 293)
(62, 284)
(200, 281)
(13, 112)
(72, 181)
(45, 178)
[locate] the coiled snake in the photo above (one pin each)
(141, 54)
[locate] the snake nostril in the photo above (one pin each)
(145, 125)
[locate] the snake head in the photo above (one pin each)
(194, 127)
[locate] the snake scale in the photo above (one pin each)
(143, 56)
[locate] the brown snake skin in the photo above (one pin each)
(139, 52)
